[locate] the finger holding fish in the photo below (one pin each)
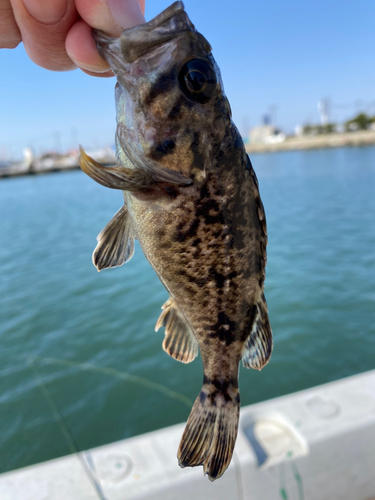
(112, 17)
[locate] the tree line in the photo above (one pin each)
(360, 122)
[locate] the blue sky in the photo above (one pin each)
(280, 55)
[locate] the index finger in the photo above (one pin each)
(10, 35)
(112, 17)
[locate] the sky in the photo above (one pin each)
(276, 57)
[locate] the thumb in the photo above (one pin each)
(43, 25)
(128, 13)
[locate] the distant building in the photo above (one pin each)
(298, 130)
(260, 133)
(28, 157)
(265, 134)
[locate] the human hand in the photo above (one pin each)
(57, 33)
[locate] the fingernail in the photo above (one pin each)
(126, 13)
(46, 11)
(92, 68)
(105, 74)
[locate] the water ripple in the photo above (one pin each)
(92, 335)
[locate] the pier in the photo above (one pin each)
(53, 163)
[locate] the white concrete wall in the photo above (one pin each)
(317, 444)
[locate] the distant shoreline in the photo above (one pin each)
(353, 139)
(21, 171)
(360, 138)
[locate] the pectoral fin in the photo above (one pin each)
(115, 242)
(126, 179)
(130, 179)
(258, 345)
(179, 341)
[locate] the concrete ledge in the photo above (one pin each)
(314, 444)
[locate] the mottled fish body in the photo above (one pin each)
(191, 198)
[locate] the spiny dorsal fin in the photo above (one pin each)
(261, 215)
(179, 341)
(258, 345)
(115, 242)
(261, 212)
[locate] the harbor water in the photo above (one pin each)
(80, 362)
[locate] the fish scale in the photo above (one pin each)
(191, 198)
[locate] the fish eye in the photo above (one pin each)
(198, 80)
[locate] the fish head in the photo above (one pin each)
(170, 103)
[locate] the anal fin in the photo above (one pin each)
(115, 242)
(179, 341)
(258, 346)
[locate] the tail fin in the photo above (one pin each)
(211, 430)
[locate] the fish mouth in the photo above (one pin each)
(161, 18)
(137, 41)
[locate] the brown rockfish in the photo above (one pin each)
(191, 198)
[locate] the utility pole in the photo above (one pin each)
(74, 137)
(323, 108)
(273, 113)
(57, 139)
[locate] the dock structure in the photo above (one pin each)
(317, 444)
(21, 170)
(52, 163)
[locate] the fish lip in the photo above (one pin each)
(165, 15)
(138, 40)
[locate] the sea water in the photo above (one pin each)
(80, 362)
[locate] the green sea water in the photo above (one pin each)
(87, 340)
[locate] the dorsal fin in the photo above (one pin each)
(261, 215)
(179, 341)
(258, 345)
(261, 212)
(115, 242)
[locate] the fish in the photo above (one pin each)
(191, 199)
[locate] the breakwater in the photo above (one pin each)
(292, 143)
